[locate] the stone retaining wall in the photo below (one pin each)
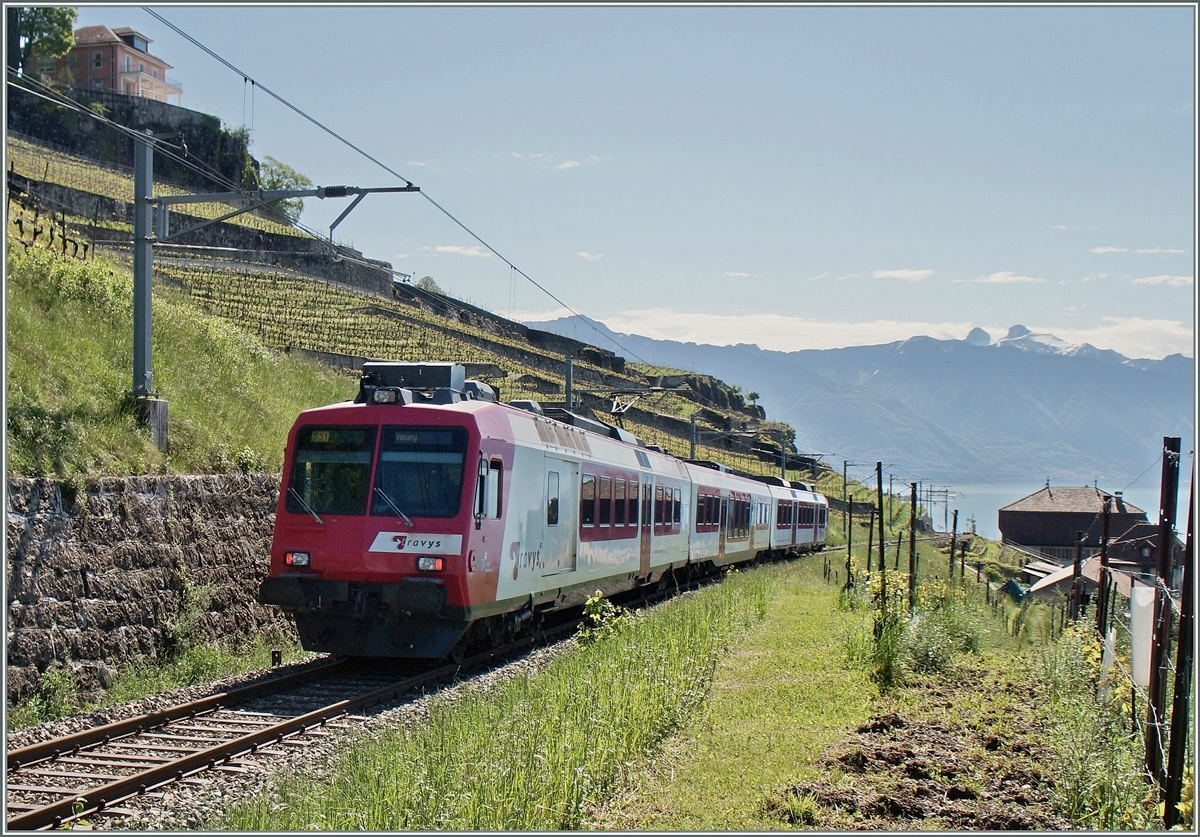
(127, 568)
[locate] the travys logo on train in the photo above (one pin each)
(426, 544)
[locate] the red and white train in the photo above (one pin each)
(425, 515)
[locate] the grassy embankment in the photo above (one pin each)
(543, 751)
(69, 358)
(615, 735)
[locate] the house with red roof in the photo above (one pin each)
(115, 60)
(1047, 521)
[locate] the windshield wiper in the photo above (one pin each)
(395, 508)
(305, 505)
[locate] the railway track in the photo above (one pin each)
(88, 774)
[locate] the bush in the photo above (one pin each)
(1100, 781)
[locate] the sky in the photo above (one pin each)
(795, 177)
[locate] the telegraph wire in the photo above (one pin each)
(199, 167)
(59, 98)
(386, 168)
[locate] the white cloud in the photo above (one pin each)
(1165, 279)
(567, 164)
(401, 255)
(416, 164)
(1159, 250)
(1006, 277)
(741, 274)
(1110, 249)
(907, 275)
(473, 250)
(590, 257)
(1131, 336)
(818, 276)
(774, 331)
(518, 156)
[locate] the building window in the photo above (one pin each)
(128, 63)
(97, 59)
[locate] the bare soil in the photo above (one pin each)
(957, 753)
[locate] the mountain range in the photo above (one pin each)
(975, 411)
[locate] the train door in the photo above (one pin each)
(559, 504)
(721, 529)
(646, 520)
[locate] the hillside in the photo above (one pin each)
(967, 410)
(226, 320)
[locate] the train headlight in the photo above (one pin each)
(385, 396)
(429, 564)
(296, 559)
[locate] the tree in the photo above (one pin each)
(277, 175)
(426, 283)
(44, 31)
(752, 397)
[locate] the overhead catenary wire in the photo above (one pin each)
(254, 83)
(199, 167)
(169, 150)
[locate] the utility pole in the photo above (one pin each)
(570, 384)
(912, 555)
(879, 497)
(147, 230)
(692, 455)
(1183, 683)
(151, 410)
(845, 493)
(891, 478)
(1105, 581)
(953, 542)
(1076, 581)
(1156, 693)
(870, 539)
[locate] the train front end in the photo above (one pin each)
(375, 516)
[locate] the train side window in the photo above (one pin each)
(633, 503)
(675, 511)
(605, 501)
(493, 489)
(618, 502)
(552, 498)
(587, 501)
(658, 505)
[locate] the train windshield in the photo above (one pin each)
(330, 470)
(420, 471)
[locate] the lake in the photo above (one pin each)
(984, 501)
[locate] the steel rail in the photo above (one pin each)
(25, 756)
(89, 801)
(85, 802)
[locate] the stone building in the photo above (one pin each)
(1047, 521)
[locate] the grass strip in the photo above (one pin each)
(778, 700)
(535, 751)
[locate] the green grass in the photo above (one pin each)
(69, 359)
(778, 700)
(1100, 778)
(537, 751)
(59, 695)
